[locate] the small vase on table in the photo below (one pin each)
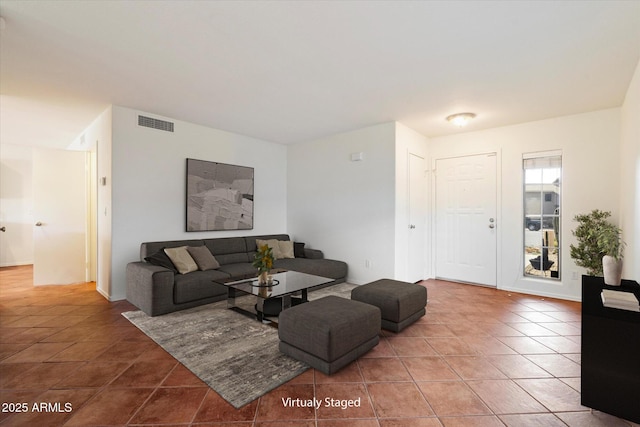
(263, 277)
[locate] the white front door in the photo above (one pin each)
(60, 210)
(416, 258)
(466, 223)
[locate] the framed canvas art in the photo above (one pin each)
(219, 196)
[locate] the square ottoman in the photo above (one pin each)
(329, 333)
(400, 303)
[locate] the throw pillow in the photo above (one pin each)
(203, 258)
(286, 248)
(161, 259)
(298, 250)
(273, 244)
(181, 259)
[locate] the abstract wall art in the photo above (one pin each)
(219, 196)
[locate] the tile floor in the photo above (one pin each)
(480, 357)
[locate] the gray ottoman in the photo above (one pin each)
(401, 303)
(329, 333)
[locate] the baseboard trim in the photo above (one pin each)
(103, 293)
(16, 264)
(542, 294)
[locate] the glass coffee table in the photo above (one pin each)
(279, 294)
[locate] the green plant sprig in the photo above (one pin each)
(263, 259)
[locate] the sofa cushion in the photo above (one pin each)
(150, 248)
(198, 285)
(286, 248)
(228, 250)
(313, 253)
(203, 258)
(298, 250)
(161, 259)
(239, 270)
(181, 259)
(273, 244)
(251, 240)
(319, 267)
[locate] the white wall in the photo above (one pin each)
(97, 138)
(590, 145)
(346, 208)
(148, 184)
(630, 178)
(409, 141)
(16, 205)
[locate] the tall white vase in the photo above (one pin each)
(612, 270)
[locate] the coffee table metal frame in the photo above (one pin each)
(289, 283)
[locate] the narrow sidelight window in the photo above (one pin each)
(542, 191)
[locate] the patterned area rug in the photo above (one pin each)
(234, 354)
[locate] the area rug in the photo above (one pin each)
(235, 355)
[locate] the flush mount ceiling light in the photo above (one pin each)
(460, 119)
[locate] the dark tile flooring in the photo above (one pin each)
(480, 357)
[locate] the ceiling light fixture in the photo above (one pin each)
(460, 119)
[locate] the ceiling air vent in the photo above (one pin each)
(155, 123)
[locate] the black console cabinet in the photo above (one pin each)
(610, 352)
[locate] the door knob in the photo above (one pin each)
(492, 226)
(3, 229)
(38, 224)
(411, 226)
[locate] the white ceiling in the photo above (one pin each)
(288, 72)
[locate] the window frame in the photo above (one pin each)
(548, 225)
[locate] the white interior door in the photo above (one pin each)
(16, 207)
(60, 210)
(415, 257)
(465, 224)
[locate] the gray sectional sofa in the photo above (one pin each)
(158, 290)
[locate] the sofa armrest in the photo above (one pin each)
(150, 287)
(313, 253)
